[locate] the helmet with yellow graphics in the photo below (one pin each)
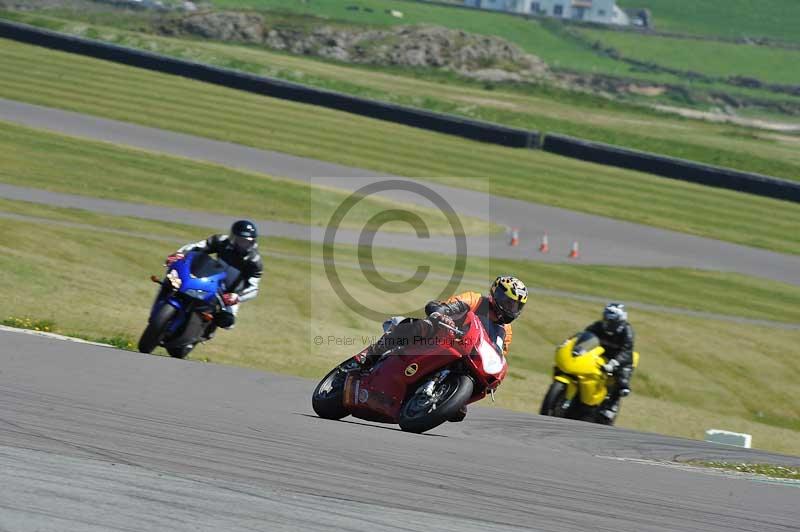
(508, 296)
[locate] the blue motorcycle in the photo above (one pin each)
(186, 306)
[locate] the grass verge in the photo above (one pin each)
(768, 470)
(120, 341)
(691, 375)
(119, 92)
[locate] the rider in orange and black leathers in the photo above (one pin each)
(504, 303)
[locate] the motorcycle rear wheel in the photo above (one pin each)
(156, 329)
(421, 412)
(328, 396)
(553, 402)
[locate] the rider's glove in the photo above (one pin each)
(230, 299)
(173, 258)
(611, 366)
(438, 317)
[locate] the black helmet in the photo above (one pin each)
(508, 296)
(614, 318)
(243, 235)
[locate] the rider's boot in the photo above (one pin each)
(371, 354)
(610, 407)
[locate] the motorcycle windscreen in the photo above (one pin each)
(586, 342)
(205, 266)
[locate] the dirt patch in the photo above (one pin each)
(489, 102)
(732, 119)
(646, 90)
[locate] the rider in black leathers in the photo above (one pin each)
(240, 250)
(616, 337)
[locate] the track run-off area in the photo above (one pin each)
(94, 438)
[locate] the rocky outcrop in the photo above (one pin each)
(219, 26)
(478, 56)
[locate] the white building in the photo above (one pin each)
(602, 11)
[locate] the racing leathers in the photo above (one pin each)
(618, 346)
(457, 307)
(245, 287)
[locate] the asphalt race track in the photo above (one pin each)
(602, 240)
(97, 439)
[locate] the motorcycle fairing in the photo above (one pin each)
(585, 372)
(379, 394)
(202, 278)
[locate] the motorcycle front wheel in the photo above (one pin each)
(553, 403)
(422, 412)
(156, 329)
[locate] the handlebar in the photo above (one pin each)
(455, 330)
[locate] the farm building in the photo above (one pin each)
(602, 11)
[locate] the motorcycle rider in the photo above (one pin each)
(616, 337)
(504, 303)
(238, 249)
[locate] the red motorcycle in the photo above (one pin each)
(418, 386)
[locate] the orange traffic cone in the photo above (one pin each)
(574, 254)
(514, 237)
(544, 247)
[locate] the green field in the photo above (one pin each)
(692, 370)
(532, 106)
(122, 93)
(720, 59)
(726, 18)
(62, 164)
(732, 19)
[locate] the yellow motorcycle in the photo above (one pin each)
(581, 389)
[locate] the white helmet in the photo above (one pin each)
(614, 318)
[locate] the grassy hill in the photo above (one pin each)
(724, 18)
(733, 19)
(669, 81)
(713, 58)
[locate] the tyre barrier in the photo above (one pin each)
(276, 88)
(672, 167)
